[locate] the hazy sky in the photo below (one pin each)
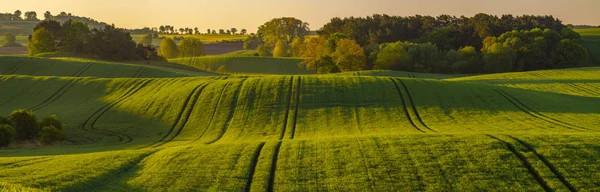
(250, 14)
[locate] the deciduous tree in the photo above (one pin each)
(41, 42)
(281, 49)
(285, 29)
(168, 48)
(191, 47)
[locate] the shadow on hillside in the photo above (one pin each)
(448, 96)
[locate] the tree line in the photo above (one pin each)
(23, 126)
(61, 17)
(168, 29)
(108, 43)
(444, 44)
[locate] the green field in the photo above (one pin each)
(148, 128)
(206, 38)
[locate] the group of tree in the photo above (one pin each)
(445, 31)
(23, 126)
(512, 51)
(168, 29)
(19, 16)
(10, 40)
(108, 43)
(61, 17)
(446, 44)
(188, 47)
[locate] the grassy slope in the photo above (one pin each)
(509, 132)
(245, 65)
(72, 67)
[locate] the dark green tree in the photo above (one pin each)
(25, 124)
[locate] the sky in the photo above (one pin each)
(249, 14)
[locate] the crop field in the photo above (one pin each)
(205, 38)
(135, 127)
(591, 40)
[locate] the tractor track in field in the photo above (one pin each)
(15, 68)
(582, 88)
(411, 75)
(252, 167)
(213, 114)
(414, 108)
(295, 120)
(101, 181)
(552, 168)
(188, 114)
(139, 72)
(525, 162)
(361, 150)
(274, 159)
(26, 162)
(405, 108)
(179, 117)
(230, 115)
(287, 111)
(123, 138)
(62, 90)
(520, 105)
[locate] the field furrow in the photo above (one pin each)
(288, 108)
(540, 115)
(252, 167)
(547, 163)
(184, 111)
(414, 108)
(230, 115)
(55, 96)
(214, 113)
(526, 163)
(408, 116)
(62, 90)
(296, 108)
(91, 121)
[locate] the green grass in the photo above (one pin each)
(245, 65)
(363, 131)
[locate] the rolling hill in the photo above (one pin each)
(141, 128)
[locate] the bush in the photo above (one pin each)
(7, 135)
(281, 49)
(52, 120)
(264, 50)
(168, 48)
(247, 45)
(4, 121)
(25, 124)
(191, 47)
(51, 135)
